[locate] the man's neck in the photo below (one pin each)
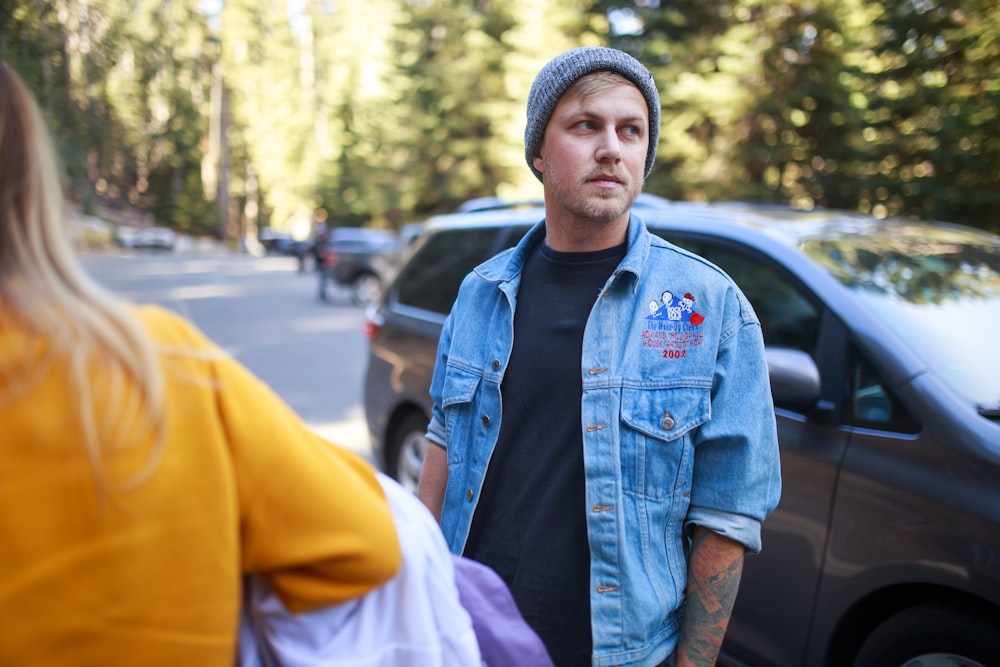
(570, 234)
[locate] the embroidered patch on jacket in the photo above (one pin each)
(673, 325)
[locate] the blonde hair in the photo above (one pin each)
(45, 291)
(596, 83)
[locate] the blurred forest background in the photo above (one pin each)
(221, 116)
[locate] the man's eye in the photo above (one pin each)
(586, 125)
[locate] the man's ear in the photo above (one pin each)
(539, 164)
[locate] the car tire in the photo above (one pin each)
(932, 636)
(365, 289)
(405, 451)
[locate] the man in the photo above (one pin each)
(623, 484)
(321, 256)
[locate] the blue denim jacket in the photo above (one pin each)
(678, 426)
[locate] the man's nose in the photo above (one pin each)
(610, 147)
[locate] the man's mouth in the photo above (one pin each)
(607, 180)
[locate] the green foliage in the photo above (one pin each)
(450, 57)
(271, 115)
(930, 83)
(253, 117)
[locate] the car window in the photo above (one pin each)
(872, 404)
(787, 316)
(431, 278)
(939, 286)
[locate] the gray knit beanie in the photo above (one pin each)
(562, 71)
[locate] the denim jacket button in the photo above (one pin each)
(668, 421)
(468, 495)
(496, 364)
(486, 420)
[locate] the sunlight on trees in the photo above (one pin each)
(219, 116)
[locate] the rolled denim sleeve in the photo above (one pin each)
(736, 478)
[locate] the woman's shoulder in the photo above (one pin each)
(166, 326)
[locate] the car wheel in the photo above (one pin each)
(932, 636)
(406, 450)
(365, 289)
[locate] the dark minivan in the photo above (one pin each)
(885, 370)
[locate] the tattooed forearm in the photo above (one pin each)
(713, 580)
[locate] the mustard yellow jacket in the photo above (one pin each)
(151, 576)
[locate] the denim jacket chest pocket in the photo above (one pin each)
(656, 451)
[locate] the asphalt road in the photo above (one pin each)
(267, 316)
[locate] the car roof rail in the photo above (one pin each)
(496, 204)
(644, 200)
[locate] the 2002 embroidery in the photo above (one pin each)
(674, 354)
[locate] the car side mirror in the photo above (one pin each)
(795, 380)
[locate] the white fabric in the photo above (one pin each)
(414, 620)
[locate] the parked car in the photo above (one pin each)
(273, 240)
(155, 238)
(360, 258)
(282, 243)
(885, 548)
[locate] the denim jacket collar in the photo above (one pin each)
(506, 266)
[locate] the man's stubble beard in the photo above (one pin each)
(586, 209)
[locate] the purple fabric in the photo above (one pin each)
(505, 638)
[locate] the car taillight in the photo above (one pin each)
(373, 324)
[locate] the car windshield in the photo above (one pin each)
(939, 289)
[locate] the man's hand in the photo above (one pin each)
(714, 572)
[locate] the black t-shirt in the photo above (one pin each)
(530, 523)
